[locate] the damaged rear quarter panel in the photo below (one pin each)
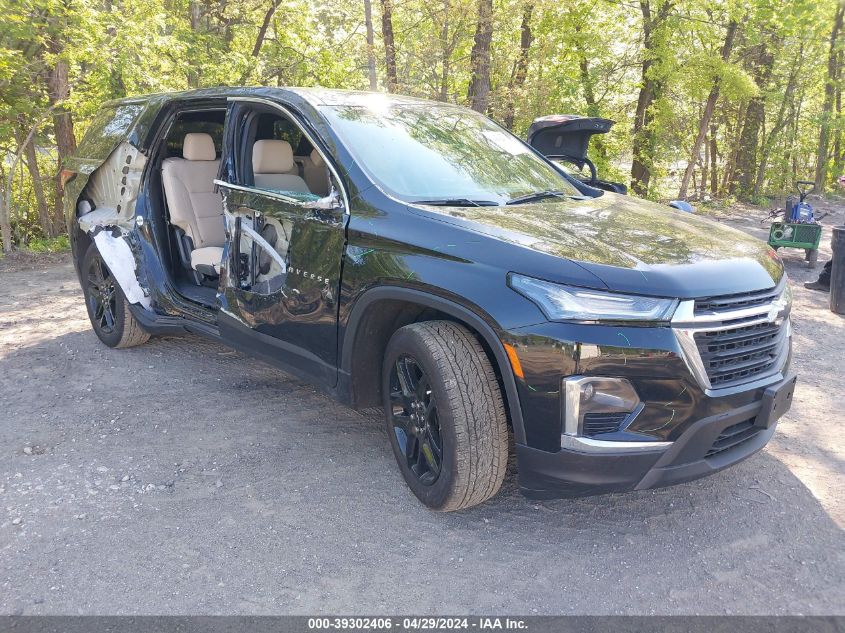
(114, 247)
(112, 190)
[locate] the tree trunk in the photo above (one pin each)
(588, 88)
(6, 204)
(730, 163)
(644, 138)
(117, 85)
(265, 24)
(44, 221)
(829, 93)
(259, 39)
(587, 84)
(371, 58)
(742, 183)
(780, 121)
(389, 45)
(709, 107)
(837, 141)
(714, 158)
(59, 91)
(195, 17)
(446, 54)
(643, 142)
(521, 66)
(5, 214)
(479, 85)
(791, 154)
(705, 165)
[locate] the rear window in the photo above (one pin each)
(109, 127)
(210, 123)
(272, 126)
(286, 131)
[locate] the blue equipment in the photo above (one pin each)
(801, 212)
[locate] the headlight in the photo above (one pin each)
(561, 303)
(784, 300)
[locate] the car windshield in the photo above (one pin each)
(443, 154)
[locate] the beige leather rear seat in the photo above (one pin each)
(316, 174)
(194, 205)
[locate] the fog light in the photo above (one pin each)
(604, 403)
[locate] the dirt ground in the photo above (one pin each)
(183, 478)
(809, 440)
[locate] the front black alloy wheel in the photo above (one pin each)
(414, 416)
(445, 415)
(108, 309)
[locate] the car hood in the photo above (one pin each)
(632, 245)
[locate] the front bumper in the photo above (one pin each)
(705, 447)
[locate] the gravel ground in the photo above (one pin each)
(182, 478)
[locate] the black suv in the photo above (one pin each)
(415, 256)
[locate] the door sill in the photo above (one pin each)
(201, 295)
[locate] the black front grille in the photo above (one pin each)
(738, 354)
(597, 423)
(739, 301)
(733, 436)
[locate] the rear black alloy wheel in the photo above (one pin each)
(108, 309)
(444, 414)
(414, 417)
(101, 295)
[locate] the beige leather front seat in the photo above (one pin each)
(272, 162)
(194, 205)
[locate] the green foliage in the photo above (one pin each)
(583, 58)
(56, 244)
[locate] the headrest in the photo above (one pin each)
(198, 146)
(316, 158)
(272, 157)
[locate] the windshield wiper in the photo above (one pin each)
(457, 202)
(541, 195)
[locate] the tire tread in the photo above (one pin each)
(133, 334)
(477, 408)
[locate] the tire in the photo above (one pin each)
(457, 401)
(107, 307)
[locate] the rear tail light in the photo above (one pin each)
(65, 176)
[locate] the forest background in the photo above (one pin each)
(714, 101)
